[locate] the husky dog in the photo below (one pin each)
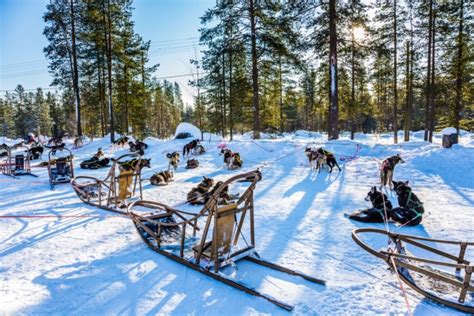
(55, 141)
(312, 157)
(53, 161)
(232, 160)
(197, 194)
(190, 146)
(237, 162)
(329, 158)
(56, 148)
(192, 164)
(316, 160)
(15, 146)
(376, 214)
(199, 149)
(162, 178)
(78, 142)
(134, 164)
(121, 141)
(36, 151)
(227, 156)
(95, 162)
(410, 210)
(138, 146)
(387, 169)
(251, 178)
(223, 198)
(173, 159)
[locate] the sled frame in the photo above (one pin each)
(404, 262)
(208, 258)
(110, 193)
(53, 180)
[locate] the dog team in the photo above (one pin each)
(410, 209)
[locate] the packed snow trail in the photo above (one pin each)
(82, 260)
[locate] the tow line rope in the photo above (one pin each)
(389, 241)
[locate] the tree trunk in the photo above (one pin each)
(395, 90)
(428, 75)
(406, 113)
(352, 106)
(99, 78)
(459, 74)
(255, 87)
(333, 128)
(282, 123)
(75, 77)
(125, 92)
(231, 97)
(109, 70)
(224, 107)
(433, 83)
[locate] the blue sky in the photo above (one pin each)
(172, 26)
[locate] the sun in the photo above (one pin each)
(359, 34)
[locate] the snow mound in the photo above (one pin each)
(449, 131)
(188, 128)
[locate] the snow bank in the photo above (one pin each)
(188, 128)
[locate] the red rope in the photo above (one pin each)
(57, 216)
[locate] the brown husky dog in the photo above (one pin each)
(162, 178)
(197, 195)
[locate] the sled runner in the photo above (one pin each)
(226, 235)
(447, 282)
(18, 164)
(114, 192)
(60, 169)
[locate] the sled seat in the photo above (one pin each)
(218, 251)
(20, 162)
(125, 179)
(62, 171)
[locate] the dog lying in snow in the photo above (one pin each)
(232, 160)
(121, 141)
(162, 178)
(375, 214)
(192, 164)
(197, 194)
(96, 162)
(223, 198)
(173, 159)
(387, 169)
(410, 210)
(251, 178)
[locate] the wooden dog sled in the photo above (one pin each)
(116, 190)
(447, 282)
(18, 164)
(221, 239)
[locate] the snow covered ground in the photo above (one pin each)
(82, 260)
